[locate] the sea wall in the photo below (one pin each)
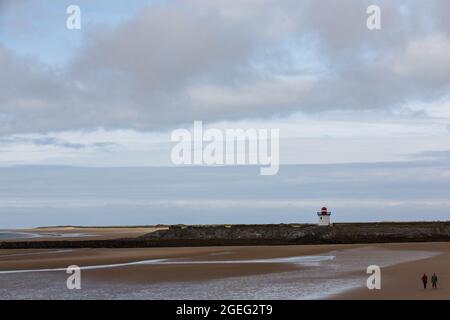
(283, 234)
(338, 233)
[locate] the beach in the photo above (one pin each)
(402, 281)
(68, 233)
(244, 272)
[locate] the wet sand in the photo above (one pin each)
(156, 273)
(401, 281)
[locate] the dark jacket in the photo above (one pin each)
(434, 278)
(424, 278)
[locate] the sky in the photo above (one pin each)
(54, 196)
(111, 93)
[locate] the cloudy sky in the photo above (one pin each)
(364, 115)
(111, 93)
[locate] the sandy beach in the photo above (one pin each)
(402, 281)
(402, 267)
(85, 233)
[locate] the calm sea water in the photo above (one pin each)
(4, 235)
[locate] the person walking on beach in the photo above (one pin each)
(434, 280)
(424, 280)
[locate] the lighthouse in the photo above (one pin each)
(324, 217)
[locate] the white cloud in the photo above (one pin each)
(328, 137)
(438, 109)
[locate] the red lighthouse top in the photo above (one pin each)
(324, 212)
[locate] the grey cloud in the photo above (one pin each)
(175, 63)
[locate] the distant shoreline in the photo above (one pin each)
(248, 235)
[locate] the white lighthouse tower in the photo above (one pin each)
(324, 217)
